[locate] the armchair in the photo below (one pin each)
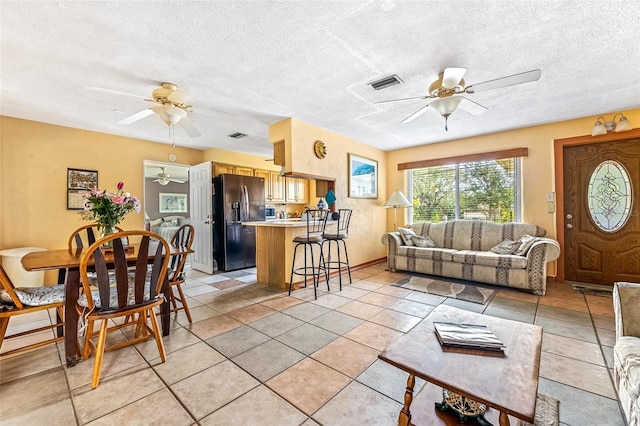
(626, 352)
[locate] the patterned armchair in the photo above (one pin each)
(626, 352)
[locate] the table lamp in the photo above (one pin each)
(396, 200)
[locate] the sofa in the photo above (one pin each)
(626, 351)
(509, 254)
(167, 226)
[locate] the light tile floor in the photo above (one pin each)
(255, 356)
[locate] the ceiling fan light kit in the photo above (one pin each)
(602, 127)
(449, 87)
(172, 106)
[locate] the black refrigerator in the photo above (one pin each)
(236, 199)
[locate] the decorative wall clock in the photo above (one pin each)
(320, 149)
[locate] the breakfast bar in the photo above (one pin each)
(274, 249)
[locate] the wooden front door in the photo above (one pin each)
(601, 212)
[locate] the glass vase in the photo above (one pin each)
(105, 232)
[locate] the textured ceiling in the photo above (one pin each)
(250, 64)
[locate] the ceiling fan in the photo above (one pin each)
(172, 106)
(164, 178)
(447, 91)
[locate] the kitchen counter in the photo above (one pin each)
(274, 249)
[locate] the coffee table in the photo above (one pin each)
(507, 382)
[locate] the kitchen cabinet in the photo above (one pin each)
(244, 171)
(219, 169)
(297, 191)
(273, 186)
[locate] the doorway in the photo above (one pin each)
(598, 223)
(165, 199)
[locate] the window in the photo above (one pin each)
(479, 190)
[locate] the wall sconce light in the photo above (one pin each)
(602, 126)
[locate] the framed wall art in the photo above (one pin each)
(172, 203)
(78, 182)
(363, 177)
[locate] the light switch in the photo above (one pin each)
(551, 197)
(551, 207)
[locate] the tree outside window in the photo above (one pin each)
(483, 190)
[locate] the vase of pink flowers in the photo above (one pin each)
(109, 209)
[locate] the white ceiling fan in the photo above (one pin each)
(172, 106)
(164, 178)
(447, 91)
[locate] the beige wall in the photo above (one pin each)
(368, 222)
(33, 177)
(239, 159)
(538, 176)
(34, 158)
(537, 169)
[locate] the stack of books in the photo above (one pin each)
(467, 336)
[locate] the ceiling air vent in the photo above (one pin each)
(237, 135)
(383, 83)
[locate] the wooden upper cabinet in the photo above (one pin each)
(273, 186)
(219, 169)
(277, 187)
(297, 191)
(244, 171)
(278, 153)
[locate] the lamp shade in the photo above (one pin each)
(446, 106)
(397, 199)
(598, 129)
(624, 125)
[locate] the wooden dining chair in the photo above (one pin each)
(182, 238)
(81, 238)
(25, 300)
(85, 236)
(119, 292)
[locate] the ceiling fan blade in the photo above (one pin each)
(116, 92)
(179, 98)
(177, 180)
(452, 76)
(471, 107)
(511, 80)
(137, 116)
(416, 114)
(403, 99)
(188, 127)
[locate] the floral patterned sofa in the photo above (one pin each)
(626, 351)
(509, 254)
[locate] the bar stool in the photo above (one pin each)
(316, 221)
(337, 237)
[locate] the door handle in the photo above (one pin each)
(569, 226)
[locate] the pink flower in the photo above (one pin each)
(120, 185)
(117, 199)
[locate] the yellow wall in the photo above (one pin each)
(34, 158)
(368, 221)
(239, 159)
(537, 169)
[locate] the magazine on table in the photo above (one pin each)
(471, 336)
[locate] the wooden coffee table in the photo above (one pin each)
(506, 382)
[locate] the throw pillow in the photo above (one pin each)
(406, 235)
(526, 241)
(421, 241)
(506, 247)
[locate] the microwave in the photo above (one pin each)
(269, 212)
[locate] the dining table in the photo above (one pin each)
(67, 261)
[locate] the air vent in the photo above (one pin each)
(383, 83)
(237, 135)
